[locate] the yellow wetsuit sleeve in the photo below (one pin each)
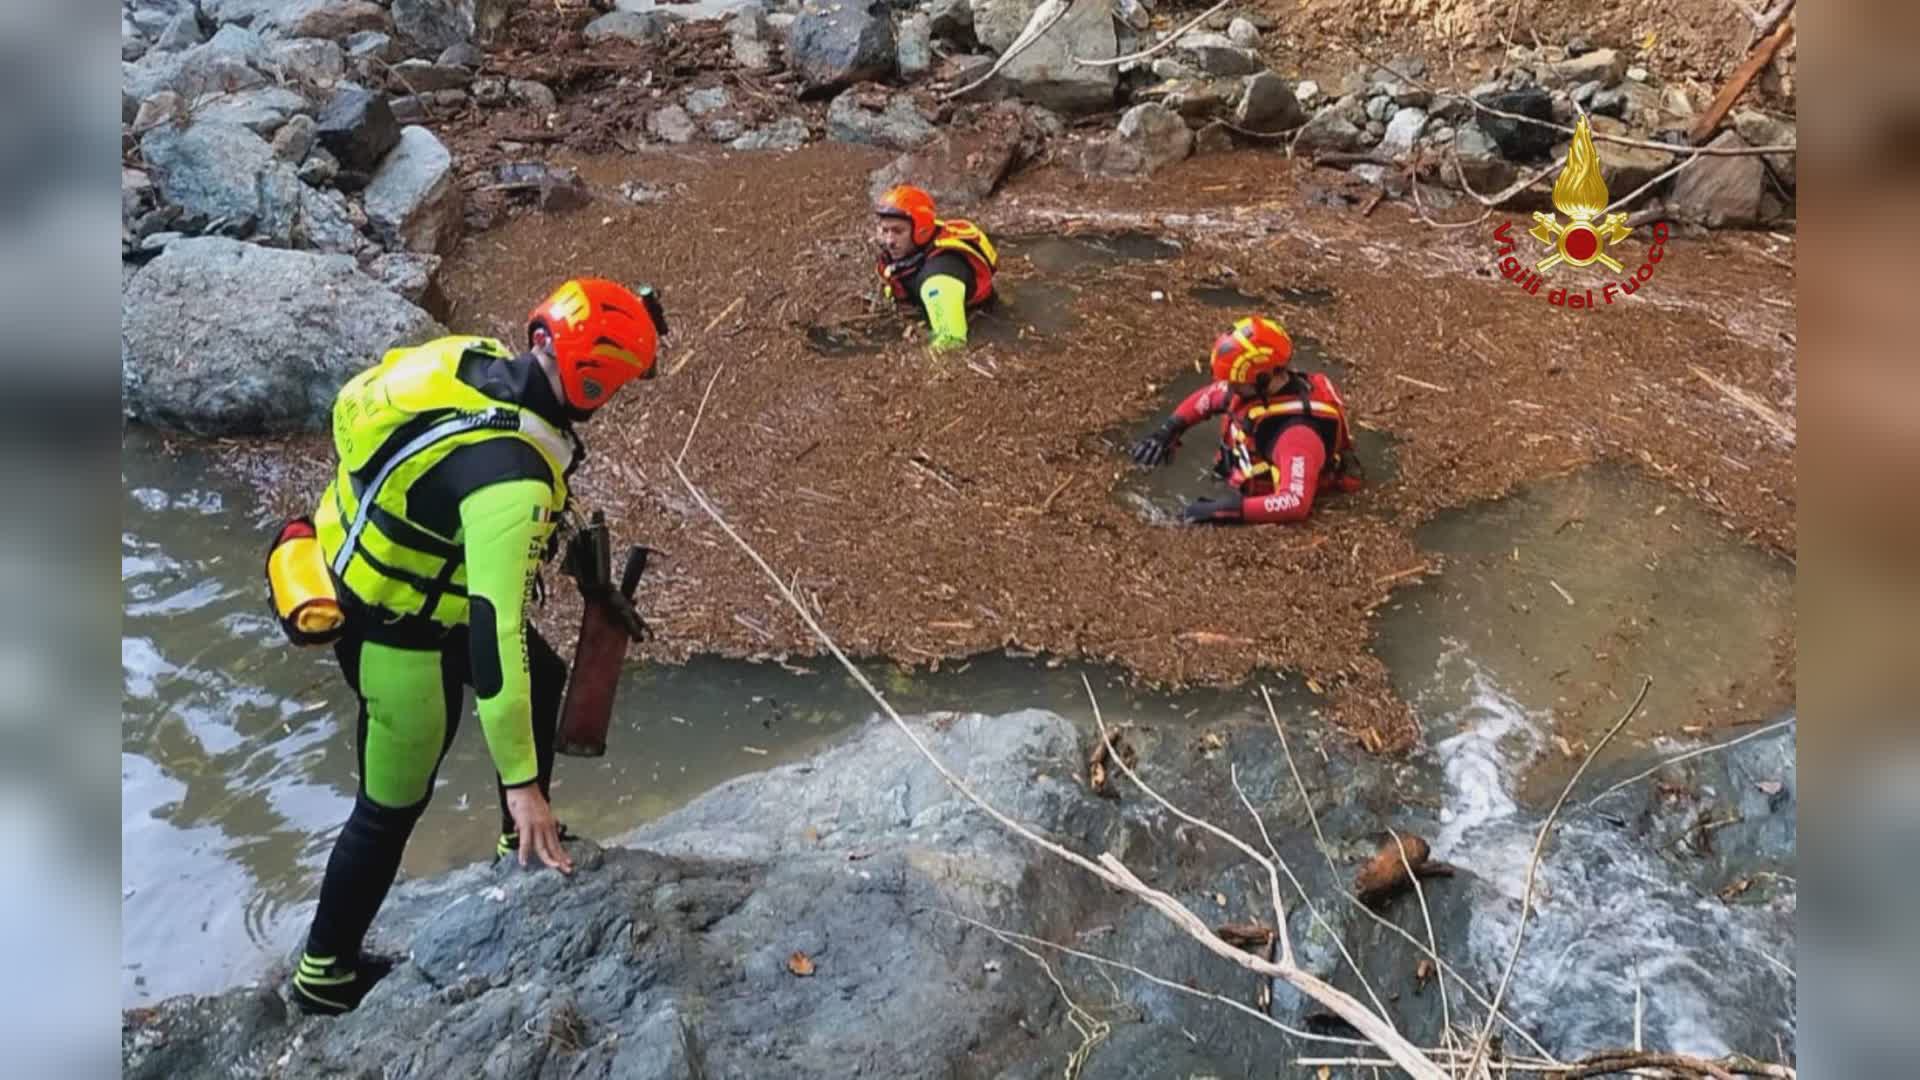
(945, 298)
(505, 527)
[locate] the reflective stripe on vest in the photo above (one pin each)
(959, 236)
(398, 421)
(1248, 462)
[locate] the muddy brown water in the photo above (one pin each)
(237, 762)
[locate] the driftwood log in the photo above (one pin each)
(1385, 875)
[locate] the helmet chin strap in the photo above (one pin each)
(542, 354)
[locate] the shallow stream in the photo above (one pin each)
(237, 762)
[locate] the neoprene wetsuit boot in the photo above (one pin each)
(322, 986)
(333, 974)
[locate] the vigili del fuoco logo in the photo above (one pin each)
(1580, 194)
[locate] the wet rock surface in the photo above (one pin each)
(811, 915)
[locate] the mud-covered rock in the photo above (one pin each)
(1268, 105)
(786, 133)
(1720, 189)
(219, 337)
(638, 26)
(1330, 129)
(1759, 129)
(225, 175)
(833, 45)
(1149, 138)
(413, 201)
(873, 116)
(751, 37)
(1605, 66)
(958, 169)
(671, 124)
(1216, 54)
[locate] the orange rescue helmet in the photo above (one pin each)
(603, 336)
(1256, 345)
(913, 204)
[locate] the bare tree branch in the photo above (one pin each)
(1108, 868)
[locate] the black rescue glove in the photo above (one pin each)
(1157, 447)
(1212, 512)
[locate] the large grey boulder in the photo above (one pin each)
(872, 116)
(413, 201)
(1267, 104)
(1150, 137)
(1720, 190)
(226, 176)
(835, 44)
(994, 23)
(1045, 73)
(219, 337)
(233, 59)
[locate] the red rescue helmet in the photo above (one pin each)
(1256, 345)
(603, 335)
(912, 204)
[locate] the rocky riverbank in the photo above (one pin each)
(813, 920)
(384, 132)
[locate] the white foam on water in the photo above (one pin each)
(1608, 912)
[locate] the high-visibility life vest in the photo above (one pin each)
(1241, 460)
(392, 424)
(957, 235)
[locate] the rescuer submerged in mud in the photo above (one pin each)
(944, 267)
(1283, 433)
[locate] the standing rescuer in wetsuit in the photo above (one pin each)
(1283, 433)
(454, 462)
(946, 267)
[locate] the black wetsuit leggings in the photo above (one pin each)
(396, 754)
